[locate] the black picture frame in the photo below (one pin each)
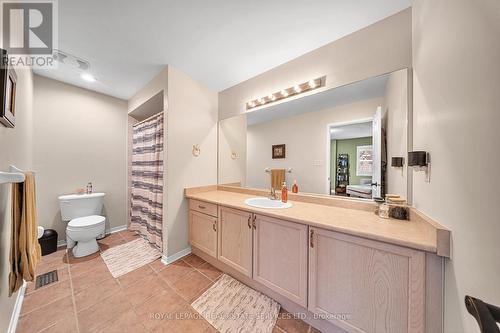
(279, 151)
(8, 85)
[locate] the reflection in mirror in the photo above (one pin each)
(336, 141)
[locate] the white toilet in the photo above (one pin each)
(85, 224)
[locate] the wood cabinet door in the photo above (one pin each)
(280, 257)
(235, 239)
(203, 232)
(362, 285)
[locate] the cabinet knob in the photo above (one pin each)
(201, 207)
(214, 225)
(249, 218)
(311, 238)
(253, 222)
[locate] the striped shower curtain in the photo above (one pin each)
(147, 180)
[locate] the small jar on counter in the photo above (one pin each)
(398, 209)
(383, 210)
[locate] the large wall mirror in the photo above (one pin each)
(349, 141)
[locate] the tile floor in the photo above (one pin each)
(88, 299)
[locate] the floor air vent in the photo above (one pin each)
(45, 279)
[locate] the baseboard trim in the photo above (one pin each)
(14, 318)
(62, 242)
(176, 256)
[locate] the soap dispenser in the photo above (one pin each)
(284, 193)
(295, 187)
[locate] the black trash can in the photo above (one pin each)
(48, 242)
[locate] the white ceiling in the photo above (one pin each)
(219, 43)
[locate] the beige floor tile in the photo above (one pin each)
(143, 289)
(59, 255)
(45, 296)
(44, 267)
(210, 271)
(276, 329)
(91, 278)
(110, 238)
(103, 312)
(135, 275)
(194, 260)
(186, 320)
(74, 260)
(157, 265)
(160, 307)
(46, 316)
(66, 325)
(98, 292)
(192, 285)
(127, 322)
(175, 271)
(85, 265)
(289, 324)
(128, 235)
(110, 241)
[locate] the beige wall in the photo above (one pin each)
(79, 136)
(396, 120)
(305, 137)
(15, 148)
(153, 87)
(456, 52)
(379, 48)
(191, 119)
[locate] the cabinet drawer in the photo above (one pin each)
(203, 207)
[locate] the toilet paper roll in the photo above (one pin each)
(40, 231)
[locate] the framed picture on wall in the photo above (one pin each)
(364, 161)
(279, 151)
(8, 80)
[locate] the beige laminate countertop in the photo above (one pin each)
(417, 234)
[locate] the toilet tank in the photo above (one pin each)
(80, 205)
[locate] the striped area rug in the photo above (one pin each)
(230, 306)
(125, 258)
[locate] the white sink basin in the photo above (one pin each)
(267, 203)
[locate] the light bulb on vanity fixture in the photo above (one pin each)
(288, 92)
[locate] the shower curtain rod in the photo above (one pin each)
(148, 118)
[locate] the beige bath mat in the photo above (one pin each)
(125, 258)
(231, 306)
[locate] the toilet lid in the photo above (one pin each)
(87, 221)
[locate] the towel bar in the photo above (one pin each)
(289, 170)
(13, 176)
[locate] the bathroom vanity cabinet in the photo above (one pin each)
(355, 283)
(203, 226)
(377, 287)
(235, 239)
(280, 257)
(203, 232)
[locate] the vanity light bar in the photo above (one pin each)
(289, 92)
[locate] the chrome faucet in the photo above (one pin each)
(273, 195)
